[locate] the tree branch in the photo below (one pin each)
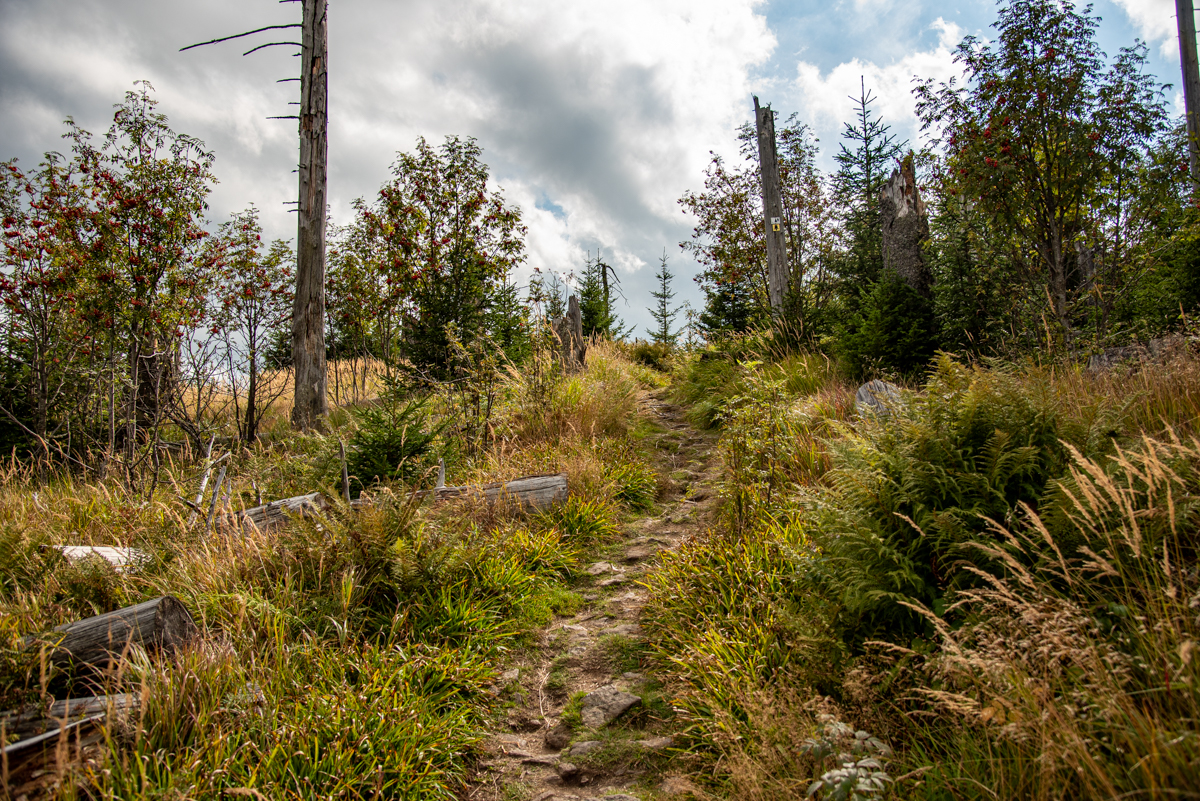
(271, 44)
(240, 35)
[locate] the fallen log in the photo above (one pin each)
(37, 736)
(531, 492)
(275, 512)
(160, 624)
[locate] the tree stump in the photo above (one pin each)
(905, 224)
(569, 330)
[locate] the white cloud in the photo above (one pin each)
(824, 100)
(1155, 20)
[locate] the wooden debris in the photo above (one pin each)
(121, 559)
(531, 492)
(28, 760)
(276, 512)
(162, 623)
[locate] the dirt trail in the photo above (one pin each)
(534, 755)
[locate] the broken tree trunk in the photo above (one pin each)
(905, 225)
(308, 312)
(569, 330)
(163, 623)
(275, 512)
(768, 165)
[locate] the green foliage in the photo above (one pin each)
(652, 354)
(584, 522)
(894, 331)
(662, 313)
(634, 483)
(390, 442)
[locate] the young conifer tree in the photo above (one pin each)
(662, 313)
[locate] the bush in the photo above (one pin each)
(389, 444)
(894, 332)
(652, 354)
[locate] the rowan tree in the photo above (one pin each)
(253, 295)
(447, 241)
(1040, 135)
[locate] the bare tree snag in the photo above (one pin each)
(309, 405)
(569, 330)
(1185, 16)
(768, 162)
(905, 223)
(163, 623)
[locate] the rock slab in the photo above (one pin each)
(605, 705)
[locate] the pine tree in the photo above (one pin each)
(863, 167)
(596, 290)
(663, 316)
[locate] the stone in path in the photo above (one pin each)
(599, 568)
(558, 737)
(640, 552)
(603, 706)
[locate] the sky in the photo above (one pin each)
(595, 116)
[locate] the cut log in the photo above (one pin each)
(876, 398)
(275, 512)
(161, 624)
(121, 559)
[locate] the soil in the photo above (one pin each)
(628, 759)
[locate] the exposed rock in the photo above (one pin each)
(599, 569)
(584, 748)
(657, 743)
(620, 797)
(876, 398)
(603, 706)
(558, 737)
(640, 552)
(1155, 350)
(567, 770)
(632, 675)
(625, 630)
(509, 676)
(611, 582)
(573, 629)
(547, 761)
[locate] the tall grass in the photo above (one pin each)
(1000, 579)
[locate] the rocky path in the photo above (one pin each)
(586, 719)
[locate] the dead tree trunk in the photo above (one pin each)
(163, 623)
(1186, 18)
(569, 330)
(905, 225)
(768, 162)
(308, 314)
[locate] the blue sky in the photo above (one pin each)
(595, 115)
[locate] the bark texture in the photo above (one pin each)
(1185, 17)
(569, 330)
(768, 160)
(308, 314)
(162, 623)
(905, 223)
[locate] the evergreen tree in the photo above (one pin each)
(862, 170)
(663, 316)
(596, 290)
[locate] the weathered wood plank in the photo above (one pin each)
(121, 559)
(276, 512)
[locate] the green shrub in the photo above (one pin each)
(894, 332)
(634, 483)
(389, 444)
(652, 354)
